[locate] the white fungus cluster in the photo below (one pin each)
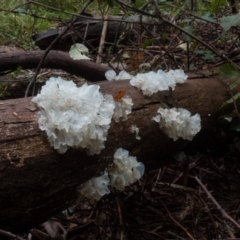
(95, 188)
(111, 75)
(74, 117)
(178, 122)
(123, 108)
(153, 82)
(125, 171)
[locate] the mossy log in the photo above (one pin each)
(37, 182)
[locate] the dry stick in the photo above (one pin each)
(120, 218)
(210, 214)
(103, 36)
(175, 235)
(224, 214)
(177, 223)
(50, 47)
(10, 235)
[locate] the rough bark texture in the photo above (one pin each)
(56, 60)
(37, 182)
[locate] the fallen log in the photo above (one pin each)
(37, 182)
(55, 60)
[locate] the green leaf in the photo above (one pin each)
(77, 50)
(189, 29)
(215, 4)
(111, 3)
(208, 55)
(229, 21)
(147, 42)
(187, 20)
(139, 3)
(209, 17)
(234, 84)
(231, 100)
(228, 71)
(164, 35)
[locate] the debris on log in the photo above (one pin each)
(37, 182)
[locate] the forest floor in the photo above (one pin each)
(196, 196)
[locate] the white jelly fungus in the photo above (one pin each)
(74, 117)
(178, 122)
(152, 82)
(111, 75)
(135, 129)
(125, 170)
(95, 188)
(123, 107)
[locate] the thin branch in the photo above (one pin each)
(103, 36)
(120, 218)
(10, 235)
(177, 223)
(224, 214)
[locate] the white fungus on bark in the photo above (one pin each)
(95, 188)
(78, 117)
(123, 108)
(74, 117)
(111, 75)
(152, 82)
(135, 129)
(125, 170)
(178, 122)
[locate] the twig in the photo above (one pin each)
(10, 235)
(222, 56)
(103, 36)
(209, 213)
(176, 186)
(50, 47)
(120, 218)
(224, 214)
(175, 235)
(177, 223)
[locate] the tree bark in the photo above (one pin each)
(37, 182)
(56, 60)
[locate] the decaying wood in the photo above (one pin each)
(56, 60)
(37, 182)
(88, 30)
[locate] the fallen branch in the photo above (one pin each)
(56, 60)
(37, 182)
